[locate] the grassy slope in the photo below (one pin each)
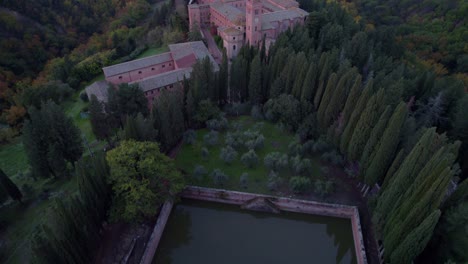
(275, 141)
(153, 51)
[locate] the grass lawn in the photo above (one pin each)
(276, 140)
(13, 158)
(153, 51)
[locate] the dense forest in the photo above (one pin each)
(433, 33)
(401, 130)
(49, 48)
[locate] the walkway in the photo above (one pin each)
(212, 47)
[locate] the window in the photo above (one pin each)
(234, 47)
(164, 65)
(152, 69)
(233, 38)
(170, 64)
(120, 77)
(255, 28)
(139, 72)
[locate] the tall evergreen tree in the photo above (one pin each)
(416, 240)
(364, 126)
(10, 187)
(99, 119)
(387, 147)
(331, 86)
(411, 166)
(308, 88)
(223, 80)
(337, 101)
(352, 99)
(354, 118)
(255, 82)
(374, 138)
(325, 68)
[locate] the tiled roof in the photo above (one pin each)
(136, 64)
(286, 3)
(231, 31)
(198, 48)
(282, 15)
(233, 14)
(99, 89)
(164, 79)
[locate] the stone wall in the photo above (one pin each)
(282, 203)
(287, 204)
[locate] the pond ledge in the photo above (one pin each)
(243, 199)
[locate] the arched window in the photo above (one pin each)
(234, 47)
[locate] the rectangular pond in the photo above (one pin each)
(213, 233)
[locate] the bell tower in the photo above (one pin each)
(253, 21)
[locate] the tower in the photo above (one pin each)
(253, 21)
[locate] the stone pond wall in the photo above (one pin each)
(281, 203)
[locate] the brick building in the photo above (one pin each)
(246, 21)
(154, 73)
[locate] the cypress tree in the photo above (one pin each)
(130, 129)
(308, 88)
(99, 121)
(351, 124)
(411, 166)
(223, 80)
(385, 151)
(393, 168)
(255, 82)
(374, 138)
(337, 101)
(331, 86)
(10, 187)
(290, 72)
(302, 65)
(364, 126)
(352, 99)
(416, 240)
(415, 209)
(325, 66)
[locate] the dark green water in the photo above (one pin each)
(210, 233)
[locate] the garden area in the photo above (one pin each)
(245, 154)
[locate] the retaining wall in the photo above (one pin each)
(287, 204)
(155, 237)
(282, 203)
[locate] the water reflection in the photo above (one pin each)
(201, 232)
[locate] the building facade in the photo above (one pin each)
(246, 21)
(154, 73)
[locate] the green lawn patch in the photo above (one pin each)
(276, 140)
(13, 158)
(153, 51)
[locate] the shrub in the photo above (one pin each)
(237, 109)
(320, 146)
(253, 139)
(295, 148)
(211, 138)
(244, 180)
(250, 159)
(299, 184)
(300, 166)
(333, 157)
(228, 154)
(218, 124)
(234, 139)
(199, 172)
(205, 153)
(276, 161)
(274, 181)
(219, 178)
(84, 97)
(323, 188)
(256, 113)
(190, 137)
